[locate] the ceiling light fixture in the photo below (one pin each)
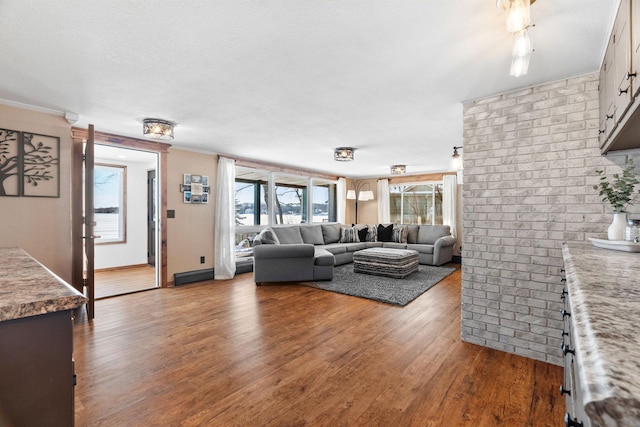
(398, 169)
(343, 154)
(518, 22)
(456, 158)
(157, 128)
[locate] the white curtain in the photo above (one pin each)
(225, 223)
(341, 202)
(384, 208)
(449, 197)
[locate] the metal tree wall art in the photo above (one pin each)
(9, 163)
(29, 164)
(40, 165)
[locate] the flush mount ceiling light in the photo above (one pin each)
(157, 128)
(398, 169)
(343, 154)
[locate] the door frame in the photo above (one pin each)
(79, 136)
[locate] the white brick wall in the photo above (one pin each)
(529, 167)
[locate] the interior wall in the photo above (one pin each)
(190, 234)
(367, 210)
(134, 250)
(40, 225)
(530, 158)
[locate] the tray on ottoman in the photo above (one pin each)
(396, 263)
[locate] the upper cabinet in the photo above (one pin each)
(619, 82)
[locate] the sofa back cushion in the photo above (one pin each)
(385, 233)
(268, 237)
(312, 234)
(412, 233)
(331, 233)
(428, 234)
(289, 234)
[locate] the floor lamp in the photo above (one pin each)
(360, 195)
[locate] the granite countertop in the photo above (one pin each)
(604, 293)
(27, 288)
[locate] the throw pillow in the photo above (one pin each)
(349, 235)
(400, 233)
(362, 234)
(372, 234)
(268, 237)
(385, 234)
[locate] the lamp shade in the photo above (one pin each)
(365, 195)
(518, 15)
(520, 65)
(522, 45)
(351, 194)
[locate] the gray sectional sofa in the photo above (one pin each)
(308, 252)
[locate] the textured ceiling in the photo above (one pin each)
(287, 81)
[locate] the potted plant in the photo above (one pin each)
(619, 194)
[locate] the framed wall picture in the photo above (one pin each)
(195, 189)
(40, 165)
(10, 167)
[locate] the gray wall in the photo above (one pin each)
(529, 162)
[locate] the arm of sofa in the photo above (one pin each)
(443, 250)
(283, 263)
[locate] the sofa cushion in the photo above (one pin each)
(331, 233)
(394, 245)
(268, 237)
(399, 234)
(336, 248)
(312, 234)
(428, 234)
(385, 233)
(354, 247)
(349, 235)
(288, 235)
(412, 233)
(423, 249)
(323, 257)
(372, 234)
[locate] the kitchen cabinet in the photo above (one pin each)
(36, 343)
(601, 340)
(619, 85)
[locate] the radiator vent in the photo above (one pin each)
(192, 276)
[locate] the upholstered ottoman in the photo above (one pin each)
(396, 263)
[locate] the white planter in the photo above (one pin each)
(617, 227)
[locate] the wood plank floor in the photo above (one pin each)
(124, 280)
(229, 353)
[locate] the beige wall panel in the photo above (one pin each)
(40, 225)
(190, 234)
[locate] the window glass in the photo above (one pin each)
(419, 203)
(109, 203)
(290, 202)
(321, 203)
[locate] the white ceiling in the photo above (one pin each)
(287, 81)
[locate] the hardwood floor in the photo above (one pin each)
(124, 280)
(229, 353)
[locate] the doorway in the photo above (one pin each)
(125, 228)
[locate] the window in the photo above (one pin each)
(291, 198)
(419, 203)
(109, 203)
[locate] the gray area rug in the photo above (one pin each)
(392, 291)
